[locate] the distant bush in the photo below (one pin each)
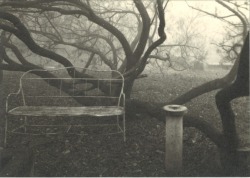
(199, 65)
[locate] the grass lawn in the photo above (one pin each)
(143, 152)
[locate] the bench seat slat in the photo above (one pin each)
(67, 111)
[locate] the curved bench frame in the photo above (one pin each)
(26, 111)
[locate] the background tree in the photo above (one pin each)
(236, 25)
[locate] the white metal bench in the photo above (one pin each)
(45, 96)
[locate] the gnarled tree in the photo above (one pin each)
(94, 32)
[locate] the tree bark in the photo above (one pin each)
(128, 87)
(239, 88)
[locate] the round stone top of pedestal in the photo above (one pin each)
(175, 110)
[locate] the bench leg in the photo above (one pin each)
(124, 128)
(121, 127)
(25, 123)
(118, 123)
(5, 131)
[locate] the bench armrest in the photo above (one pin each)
(9, 98)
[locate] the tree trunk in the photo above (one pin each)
(229, 156)
(128, 85)
(240, 87)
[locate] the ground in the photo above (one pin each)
(143, 152)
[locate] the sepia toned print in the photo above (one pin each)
(149, 88)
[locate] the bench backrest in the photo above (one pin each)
(68, 86)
